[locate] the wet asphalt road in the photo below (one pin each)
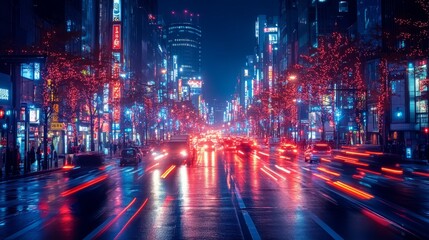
(224, 195)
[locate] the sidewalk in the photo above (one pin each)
(34, 169)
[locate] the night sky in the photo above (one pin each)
(228, 37)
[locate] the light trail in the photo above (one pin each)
(358, 154)
(131, 219)
(321, 176)
(269, 174)
(84, 185)
(153, 166)
(328, 171)
(110, 223)
(283, 169)
(352, 190)
(421, 174)
(391, 170)
(368, 171)
(275, 173)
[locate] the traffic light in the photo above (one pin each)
(2, 113)
(426, 130)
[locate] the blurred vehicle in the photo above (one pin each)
(229, 145)
(175, 152)
(208, 145)
(85, 163)
(145, 149)
(245, 146)
(90, 183)
(157, 153)
(288, 150)
(317, 151)
(130, 155)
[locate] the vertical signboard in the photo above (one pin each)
(116, 10)
(116, 37)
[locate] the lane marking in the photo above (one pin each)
(25, 230)
(247, 219)
(324, 226)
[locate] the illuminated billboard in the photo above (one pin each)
(270, 29)
(116, 10)
(116, 37)
(195, 83)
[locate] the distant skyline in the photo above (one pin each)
(228, 36)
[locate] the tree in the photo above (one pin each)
(259, 113)
(58, 70)
(331, 70)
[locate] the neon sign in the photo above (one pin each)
(116, 37)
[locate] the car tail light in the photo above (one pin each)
(184, 153)
(295, 151)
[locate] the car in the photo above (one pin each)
(317, 151)
(85, 163)
(229, 145)
(209, 145)
(288, 150)
(130, 155)
(245, 146)
(145, 149)
(172, 152)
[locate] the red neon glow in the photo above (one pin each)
(132, 218)
(84, 185)
(165, 174)
(116, 37)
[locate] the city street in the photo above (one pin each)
(224, 195)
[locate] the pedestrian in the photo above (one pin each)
(115, 147)
(55, 158)
(39, 157)
(2, 160)
(69, 147)
(16, 160)
(32, 156)
(8, 161)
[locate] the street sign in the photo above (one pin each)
(56, 126)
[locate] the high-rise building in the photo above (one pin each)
(183, 35)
